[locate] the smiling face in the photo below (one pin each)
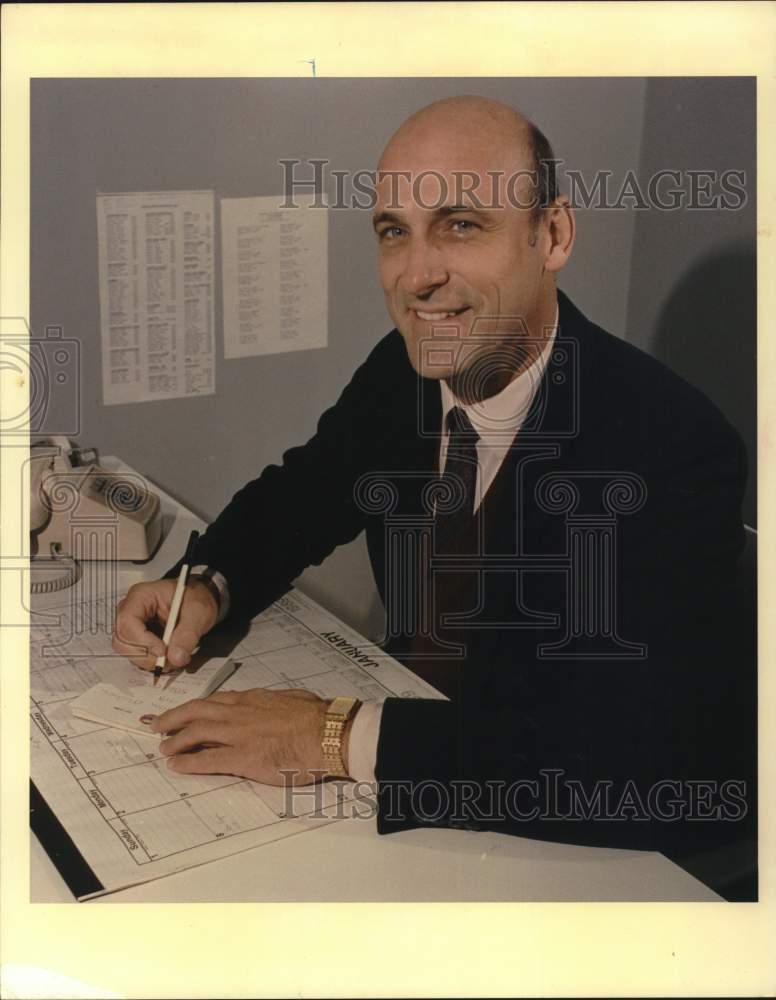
(467, 273)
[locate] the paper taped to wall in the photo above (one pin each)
(156, 295)
(275, 275)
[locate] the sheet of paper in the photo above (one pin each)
(156, 295)
(132, 818)
(275, 275)
(134, 710)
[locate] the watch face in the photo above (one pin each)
(341, 705)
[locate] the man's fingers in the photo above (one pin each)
(197, 616)
(145, 602)
(183, 715)
(217, 761)
(132, 638)
(195, 735)
(226, 697)
(141, 601)
(183, 642)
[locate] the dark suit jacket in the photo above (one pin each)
(620, 461)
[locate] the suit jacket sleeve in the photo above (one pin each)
(294, 514)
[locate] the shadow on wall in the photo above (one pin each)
(707, 333)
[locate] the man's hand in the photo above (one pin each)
(148, 604)
(254, 734)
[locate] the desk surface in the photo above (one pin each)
(348, 862)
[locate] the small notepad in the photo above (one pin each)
(133, 710)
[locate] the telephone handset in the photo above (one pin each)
(81, 511)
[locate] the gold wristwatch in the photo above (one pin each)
(337, 715)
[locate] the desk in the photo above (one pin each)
(348, 862)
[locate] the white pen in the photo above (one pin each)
(172, 618)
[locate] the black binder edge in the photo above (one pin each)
(59, 846)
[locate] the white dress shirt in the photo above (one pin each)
(496, 420)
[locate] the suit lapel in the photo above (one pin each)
(513, 523)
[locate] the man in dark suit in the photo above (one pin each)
(569, 514)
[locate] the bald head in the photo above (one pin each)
(466, 120)
(473, 134)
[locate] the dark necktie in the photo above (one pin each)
(455, 524)
(455, 533)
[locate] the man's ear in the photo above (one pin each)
(561, 228)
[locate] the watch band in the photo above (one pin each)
(338, 713)
(209, 577)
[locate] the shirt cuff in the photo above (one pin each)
(219, 582)
(362, 744)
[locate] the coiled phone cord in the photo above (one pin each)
(72, 574)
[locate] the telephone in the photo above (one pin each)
(78, 509)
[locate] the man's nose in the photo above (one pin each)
(425, 268)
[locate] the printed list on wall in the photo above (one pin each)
(156, 272)
(274, 275)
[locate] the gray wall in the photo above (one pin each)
(90, 136)
(693, 283)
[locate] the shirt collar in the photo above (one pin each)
(502, 415)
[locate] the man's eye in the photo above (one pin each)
(464, 225)
(390, 233)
